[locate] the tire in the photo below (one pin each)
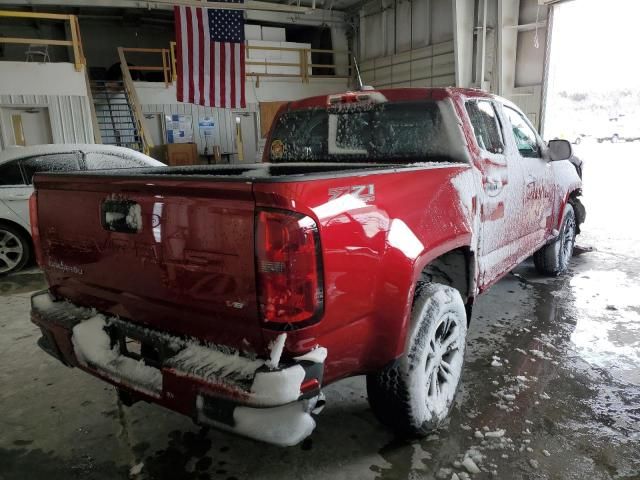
(404, 396)
(553, 259)
(15, 249)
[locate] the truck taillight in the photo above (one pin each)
(289, 270)
(35, 231)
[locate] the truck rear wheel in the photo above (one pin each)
(553, 259)
(414, 395)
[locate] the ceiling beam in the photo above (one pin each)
(249, 5)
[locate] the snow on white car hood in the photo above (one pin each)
(16, 153)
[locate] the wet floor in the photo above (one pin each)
(565, 388)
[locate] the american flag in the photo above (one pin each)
(210, 56)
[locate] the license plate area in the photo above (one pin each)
(132, 348)
(137, 348)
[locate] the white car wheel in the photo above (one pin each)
(14, 250)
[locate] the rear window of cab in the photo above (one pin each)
(389, 132)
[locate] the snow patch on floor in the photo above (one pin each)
(540, 354)
(470, 465)
(136, 469)
(496, 362)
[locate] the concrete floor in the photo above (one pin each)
(574, 343)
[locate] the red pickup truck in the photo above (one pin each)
(233, 293)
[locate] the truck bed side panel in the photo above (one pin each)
(376, 231)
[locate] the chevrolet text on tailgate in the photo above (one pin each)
(233, 293)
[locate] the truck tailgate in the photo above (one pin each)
(170, 254)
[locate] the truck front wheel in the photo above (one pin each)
(553, 259)
(414, 395)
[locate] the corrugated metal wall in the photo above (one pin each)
(389, 27)
(224, 131)
(69, 115)
(432, 66)
(407, 43)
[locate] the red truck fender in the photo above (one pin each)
(568, 185)
(458, 245)
(450, 244)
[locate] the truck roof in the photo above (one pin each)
(399, 95)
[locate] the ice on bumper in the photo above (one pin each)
(92, 347)
(285, 426)
(265, 399)
(269, 385)
(212, 365)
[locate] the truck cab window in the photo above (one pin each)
(486, 127)
(526, 139)
(10, 174)
(388, 132)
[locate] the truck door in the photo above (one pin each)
(496, 209)
(533, 174)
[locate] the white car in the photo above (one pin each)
(17, 167)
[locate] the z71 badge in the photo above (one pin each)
(366, 193)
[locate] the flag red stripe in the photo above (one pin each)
(221, 79)
(178, 52)
(200, 13)
(233, 74)
(212, 79)
(190, 48)
(243, 102)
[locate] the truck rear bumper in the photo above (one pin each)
(212, 385)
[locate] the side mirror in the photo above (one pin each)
(559, 150)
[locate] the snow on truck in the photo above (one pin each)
(234, 293)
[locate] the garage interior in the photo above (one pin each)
(552, 363)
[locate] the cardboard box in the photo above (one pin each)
(177, 154)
